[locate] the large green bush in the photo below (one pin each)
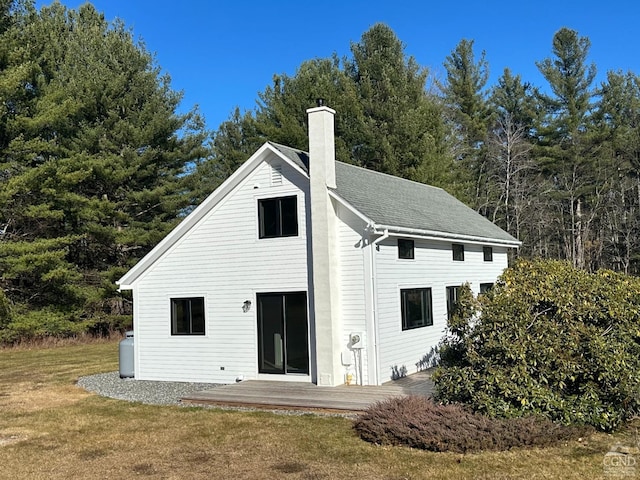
(548, 340)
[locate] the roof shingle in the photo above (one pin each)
(397, 202)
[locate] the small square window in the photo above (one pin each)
(278, 217)
(187, 316)
(416, 308)
(458, 252)
(487, 252)
(405, 249)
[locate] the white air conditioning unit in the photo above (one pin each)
(356, 340)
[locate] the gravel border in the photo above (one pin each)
(144, 391)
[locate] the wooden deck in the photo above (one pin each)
(276, 395)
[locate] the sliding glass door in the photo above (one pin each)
(283, 344)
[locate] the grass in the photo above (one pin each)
(51, 429)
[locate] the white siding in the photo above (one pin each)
(352, 285)
(433, 267)
(221, 259)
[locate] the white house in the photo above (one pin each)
(302, 268)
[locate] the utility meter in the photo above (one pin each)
(356, 339)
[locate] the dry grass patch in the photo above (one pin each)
(71, 434)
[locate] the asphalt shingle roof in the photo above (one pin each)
(397, 202)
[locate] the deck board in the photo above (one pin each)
(308, 396)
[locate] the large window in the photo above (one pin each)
(487, 252)
(278, 217)
(405, 249)
(452, 300)
(458, 252)
(187, 316)
(416, 308)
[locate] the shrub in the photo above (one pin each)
(4, 310)
(38, 324)
(550, 340)
(418, 422)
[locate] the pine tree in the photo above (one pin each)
(468, 116)
(618, 122)
(566, 144)
(385, 119)
(93, 158)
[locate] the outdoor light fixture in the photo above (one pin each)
(246, 306)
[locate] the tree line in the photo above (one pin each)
(97, 164)
(557, 165)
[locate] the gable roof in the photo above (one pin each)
(389, 204)
(402, 205)
(204, 208)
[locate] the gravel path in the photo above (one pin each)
(145, 391)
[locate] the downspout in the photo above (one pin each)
(374, 297)
(384, 236)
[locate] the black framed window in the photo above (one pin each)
(487, 252)
(458, 252)
(452, 300)
(278, 217)
(416, 308)
(405, 249)
(187, 316)
(485, 287)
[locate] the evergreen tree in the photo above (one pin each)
(465, 96)
(468, 114)
(401, 132)
(618, 123)
(385, 118)
(93, 157)
(565, 138)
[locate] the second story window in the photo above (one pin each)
(458, 252)
(278, 217)
(405, 249)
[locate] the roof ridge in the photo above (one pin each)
(276, 144)
(395, 177)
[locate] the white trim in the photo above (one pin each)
(370, 310)
(434, 235)
(284, 377)
(136, 340)
(350, 207)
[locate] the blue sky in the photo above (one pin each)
(221, 54)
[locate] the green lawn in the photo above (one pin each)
(51, 429)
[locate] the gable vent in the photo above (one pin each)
(276, 175)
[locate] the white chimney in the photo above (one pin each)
(324, 262)
(322, 147)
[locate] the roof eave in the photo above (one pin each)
(435, 235)
(351, 208)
